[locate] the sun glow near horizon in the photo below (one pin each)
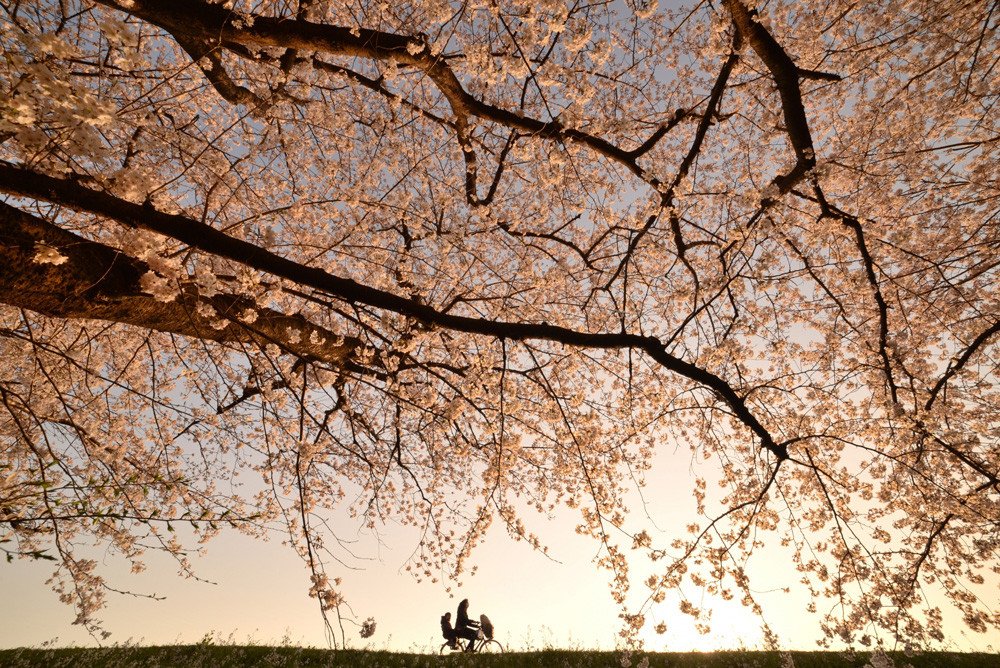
(559, 600)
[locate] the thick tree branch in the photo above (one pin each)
(95, 281)
(207, 57)
(786, 77)
(199, 21)
(25, 183)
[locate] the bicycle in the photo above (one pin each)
(484, 644)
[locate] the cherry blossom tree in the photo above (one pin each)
(393, 255)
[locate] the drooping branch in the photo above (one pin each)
(992, 478)
(667, 197)
(962, 360)
(787, 76)
(852, 223)
(68, 192)
(939, 526)
(378, 86)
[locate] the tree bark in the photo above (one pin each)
(96, 281)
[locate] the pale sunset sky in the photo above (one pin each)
(257, 592)
(260, 592)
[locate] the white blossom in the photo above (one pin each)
(45, 254)
(159, 287)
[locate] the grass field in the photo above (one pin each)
(230, 656)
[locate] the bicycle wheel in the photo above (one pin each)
(491, 647)
(445, 649)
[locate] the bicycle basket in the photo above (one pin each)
(486, 626)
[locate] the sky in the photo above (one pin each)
(259, 593)
(256, 592)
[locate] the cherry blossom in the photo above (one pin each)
(458, 264)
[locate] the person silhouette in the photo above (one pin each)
(465, 627)
(448, 632)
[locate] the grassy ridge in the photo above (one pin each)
(229, 656)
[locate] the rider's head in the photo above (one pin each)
(464, 605)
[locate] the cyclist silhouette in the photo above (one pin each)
(480, 635)
(465, 627)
